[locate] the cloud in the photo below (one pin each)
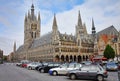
(99, 10)
(5, 22)
(6, 45)
(12, 21)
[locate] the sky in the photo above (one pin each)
(12, 12)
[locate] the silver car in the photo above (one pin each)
(94, 72)
(63, 69)
(33, 65)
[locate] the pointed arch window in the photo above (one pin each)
(32, 34)
(35, 34)
(78, 42)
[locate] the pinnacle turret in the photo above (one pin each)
(14, 48)
(79, 19)
(39, 16)
(85, 30)
(32, 11)
(93, 27)
(54, 23)
(32, 6)
(28, 14)
(25, 17)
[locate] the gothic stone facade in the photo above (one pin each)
(55, 46)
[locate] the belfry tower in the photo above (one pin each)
(80, 29)
(55, 34)
(31, 27)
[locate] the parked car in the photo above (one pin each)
(63, 69)
(45, 69)
(86, 62)
(18, 64)
(24, 61)
(33, 65)
(112, 66)
(24, 65)
(42, 64)
(93, 72)
(119, 66)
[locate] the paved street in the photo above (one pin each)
(9, 72)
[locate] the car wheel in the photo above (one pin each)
(42, 70)
(54, 73)
(30, 68)
(73, 76)
(100, 78)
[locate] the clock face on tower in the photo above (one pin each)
(34, 27)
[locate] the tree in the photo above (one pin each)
(4, 58)
(109, 52)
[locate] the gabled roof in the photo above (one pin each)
(108, 31)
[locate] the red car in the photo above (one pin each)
(24, 65)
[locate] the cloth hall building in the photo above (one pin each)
(55, 46)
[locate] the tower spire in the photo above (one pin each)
(32, 11)
(54, 23)
(39, 16)
(93, 27)
(79, 19)
(26, 17)
(14, 47)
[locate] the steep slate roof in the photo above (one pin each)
(45, 39)
(21, 48)
(108, 31)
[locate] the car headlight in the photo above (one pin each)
(115, 66)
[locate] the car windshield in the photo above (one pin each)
(64, 65)
(56, 65)
(50, 65)
(45, 64)
(85, 68)
(78, 65)
(71, 65)
(86, 62)
(111, 64)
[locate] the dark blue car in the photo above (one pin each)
(111, 66)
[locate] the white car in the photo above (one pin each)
(33, 65)
(63, 69)
(18, 64)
